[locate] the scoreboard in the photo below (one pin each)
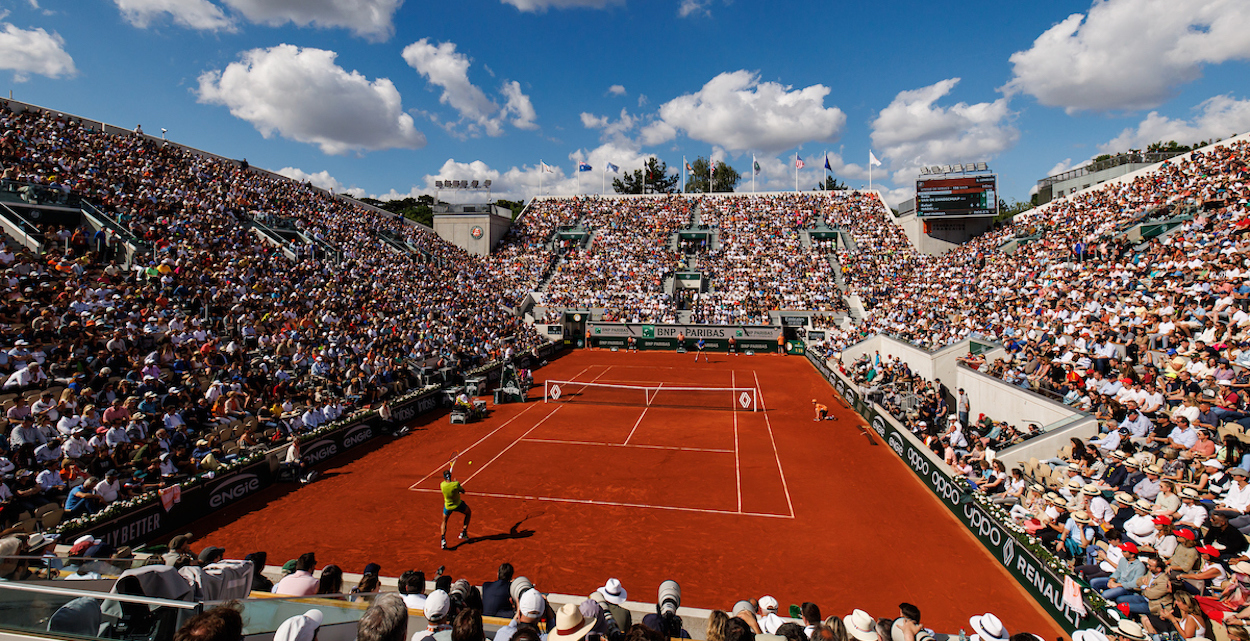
(963, 196)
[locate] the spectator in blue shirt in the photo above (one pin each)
(82, 499)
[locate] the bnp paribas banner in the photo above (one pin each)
(1039, 573)
(715, 337)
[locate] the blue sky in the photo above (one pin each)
(382, 97)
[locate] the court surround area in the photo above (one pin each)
(732, 502)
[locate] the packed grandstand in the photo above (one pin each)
(125, 379)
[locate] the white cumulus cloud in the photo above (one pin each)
(739, 112)
(517, 183)
(371, 19)
(913, 131)
(303, 95)
(448, 69)
(1217, 117)
(538, 6)
(321, 179)
(617, 90)
(1130, 54)
(194, 14)
(33, 51)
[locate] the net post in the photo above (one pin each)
(546, 387)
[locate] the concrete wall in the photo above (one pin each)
(945, 233)
(457, 229)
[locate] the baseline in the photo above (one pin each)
(631, 446)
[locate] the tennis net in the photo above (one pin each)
(737, 399)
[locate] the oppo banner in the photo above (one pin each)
(1045, 586)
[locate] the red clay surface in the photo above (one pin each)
(730, 504)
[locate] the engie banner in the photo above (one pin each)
(1043, 581)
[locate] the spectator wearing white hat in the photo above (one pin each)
(860, 625)
(768, 619)
(614, 597)
(301, 627)
(530, 610)
(988, 628)
(437, 616)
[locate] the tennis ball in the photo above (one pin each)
(470, 462)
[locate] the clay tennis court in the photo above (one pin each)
(731, 504)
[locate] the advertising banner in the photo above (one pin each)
(1043, 583)
(761, 338)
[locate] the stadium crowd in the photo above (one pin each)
(625, 267)
(121, 381)
(762, 264)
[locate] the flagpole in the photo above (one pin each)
(796, 171)
(577, 166)
(541, 171)
(683, 174)
(826, 183)
(753, 172)
(869, 170)
(603, 180)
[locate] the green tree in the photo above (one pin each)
(1008, 211)
(419, 209)
(830, 184)
(517, 206)
(726, 177)
(652, 179)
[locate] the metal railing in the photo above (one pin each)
(1115, 161)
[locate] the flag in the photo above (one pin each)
(545, 167)
(612, 168)
(583, 166)
(755, 164)
(689, 168)
(713, 170)
(872, 160)
(798, 162)
(827, 163)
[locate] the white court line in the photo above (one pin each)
(644, 447)
(639, 421)
(737, 460)
(553, 499)
(527, 432)
(479, 441)
(760, 393)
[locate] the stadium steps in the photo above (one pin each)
(847, 240)
(805, 237)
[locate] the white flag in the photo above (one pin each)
(872, 160)
(547, 168)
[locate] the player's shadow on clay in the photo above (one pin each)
(515, 532)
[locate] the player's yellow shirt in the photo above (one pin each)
(451, 494)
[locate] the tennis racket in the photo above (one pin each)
(451, 467)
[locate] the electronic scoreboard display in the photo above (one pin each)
(962, 196)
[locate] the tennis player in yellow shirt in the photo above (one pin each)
(452, 491)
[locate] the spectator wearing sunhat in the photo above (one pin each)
(571, 625)
(614, 597)
(1141, 528)
(1190, 513)
(860, 625)
(1148, 488)
(988, 627)
(1125, 576)
(1099, 562)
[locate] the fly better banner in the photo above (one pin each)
(1043, 583)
